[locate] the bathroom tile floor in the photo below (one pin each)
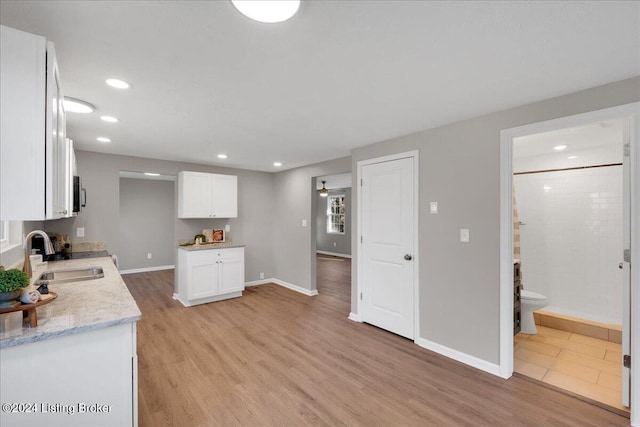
(586, 366)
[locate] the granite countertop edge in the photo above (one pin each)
(19, 340)
(207, 246)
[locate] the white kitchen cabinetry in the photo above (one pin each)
(207, 195)
(83, 379)
(209, 275)
(33, 148)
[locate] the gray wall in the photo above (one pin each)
(460, 169)
(295, 199)
(147, 222)
(325, 241)
(101, 218)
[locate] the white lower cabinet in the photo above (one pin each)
(209, 275)
(85, 379)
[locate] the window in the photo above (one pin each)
(4, 232)
(10, 235)
(335, 214)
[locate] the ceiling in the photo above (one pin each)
(334, 182)
(603, 134)
(338, 75)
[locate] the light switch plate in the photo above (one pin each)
(433, 207)
(464, 235)
(227, 228)
(80, 232)
(304, 222)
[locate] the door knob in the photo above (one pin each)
(620, 266)
(408, 257)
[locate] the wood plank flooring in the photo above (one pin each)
(580, 364)
(276, 357)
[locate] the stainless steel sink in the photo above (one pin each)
(71, 275)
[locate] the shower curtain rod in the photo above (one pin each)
(569, 169)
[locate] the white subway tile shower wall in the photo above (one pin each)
(572, 241)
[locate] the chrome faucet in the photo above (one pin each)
(48, 249)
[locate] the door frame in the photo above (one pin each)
(629, 112)
(416, 279)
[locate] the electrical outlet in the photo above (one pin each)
(334, 244)
(261, 275)
(227, 228)
(433, 207)
(464, 235)
(304, 222)
(80, 232)
(149, 255)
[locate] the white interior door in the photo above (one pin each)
(626, 264)
(387, 245)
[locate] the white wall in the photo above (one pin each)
(572, 241)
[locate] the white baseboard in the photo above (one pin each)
(300, 289)
(146, 269)
(258, 282)
(334, 254)
(355, 317)
(467, 359)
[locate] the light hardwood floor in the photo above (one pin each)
(580, 364)
(276, 357)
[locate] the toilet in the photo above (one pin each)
(530, 301)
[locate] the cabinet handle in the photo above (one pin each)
(64, 212)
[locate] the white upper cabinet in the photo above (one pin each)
(34, 152)
(206, 195)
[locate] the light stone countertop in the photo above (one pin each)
(205, 246)
(80, 306)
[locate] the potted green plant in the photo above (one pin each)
(11, 283)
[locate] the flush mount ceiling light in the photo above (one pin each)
(118, 84)
(72, 105)
(324, 192)
(103, 139)
(222, 156)
(560, 147)
(109, 119)
(572, 157)
(267, 11)
(277, 164)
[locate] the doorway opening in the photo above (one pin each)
(566, 230)
(568, 220)
(333, 235)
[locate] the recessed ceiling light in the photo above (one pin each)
(559, 147)
(118, 84)
(268, 11)
(151, 174)
(72, 105)
(277, 164)
(546, 188)
(222, 156)
(572, 157)
(103, 139)
(109, 119)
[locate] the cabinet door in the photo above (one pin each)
(55, 142)
(194, 198)
(225, 196)
(203, 275)
(231, 266)
(22, 125)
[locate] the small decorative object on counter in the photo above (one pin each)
(199, 239)
(66, 246)
(11, 284)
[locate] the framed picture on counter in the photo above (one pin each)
(213, 235)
